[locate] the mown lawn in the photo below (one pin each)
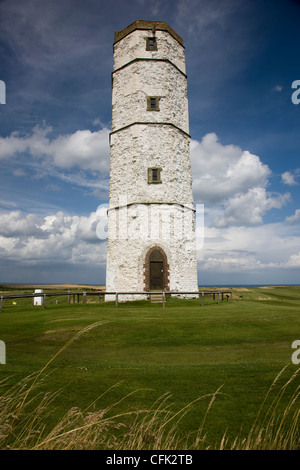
(185, 350)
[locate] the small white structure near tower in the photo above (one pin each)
(38, 300)
(151, 218)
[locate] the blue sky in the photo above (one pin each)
(56, 62)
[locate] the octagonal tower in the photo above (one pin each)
(151, 219)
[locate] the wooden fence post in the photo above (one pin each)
(117, 300)
(202, 299)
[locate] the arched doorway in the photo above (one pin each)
(156, 270)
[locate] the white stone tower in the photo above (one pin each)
(151, 219)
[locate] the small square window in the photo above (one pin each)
(154, 175)
(152, 103)
(151, 44)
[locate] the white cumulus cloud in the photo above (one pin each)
(288, 178)
(249, 208)
(293, 218)
(54, 238)
(222, 171)
(83, 149)
(293, 261)
(232, 182)
(269, 248)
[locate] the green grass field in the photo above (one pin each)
(141, 353)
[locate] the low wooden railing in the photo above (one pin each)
(201, 293)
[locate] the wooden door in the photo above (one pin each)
(156, 271)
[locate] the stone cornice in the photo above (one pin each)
(147, 25)
(152, 124)
(149, 59)
(183, 206)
